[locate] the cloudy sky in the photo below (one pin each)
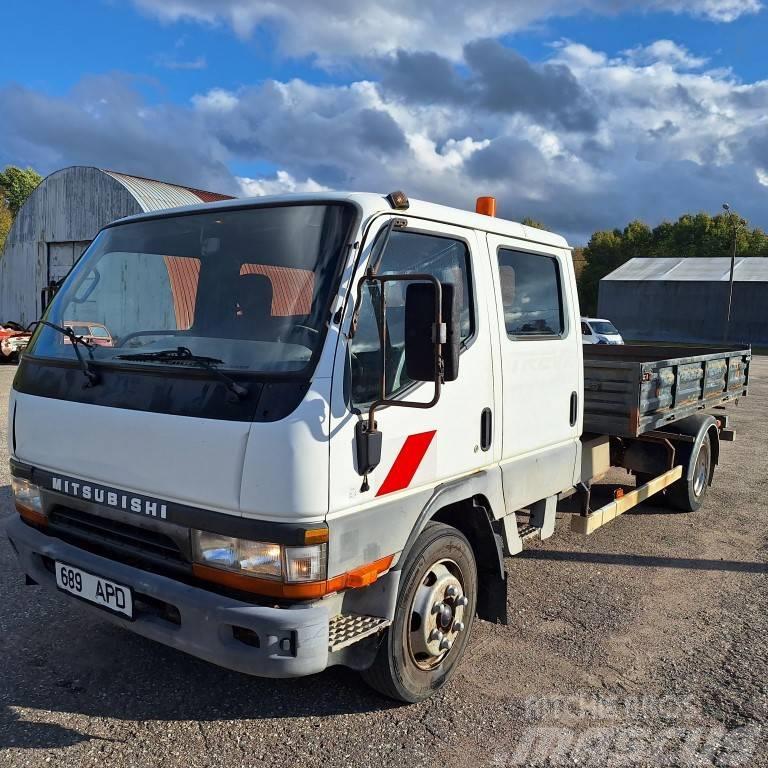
(582, 113)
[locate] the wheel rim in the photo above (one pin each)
(701, 471)
(437, 614)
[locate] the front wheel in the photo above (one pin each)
(688, 493)
(434, 614)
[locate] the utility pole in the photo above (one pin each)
(731, 215)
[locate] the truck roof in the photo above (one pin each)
(371, 204)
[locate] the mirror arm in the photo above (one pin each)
(368, 438)
(437, 336)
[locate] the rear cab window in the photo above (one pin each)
(532, 295)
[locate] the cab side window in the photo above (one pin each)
(531, 292)
(407, 252)
(585, 330)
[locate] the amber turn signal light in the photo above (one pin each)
(354, 579)
(32, 516)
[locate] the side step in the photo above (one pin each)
(587, 524)
(348, 628)
(528, 532)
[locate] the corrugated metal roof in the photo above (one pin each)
(154, 195)
(209, 197)
(704, 270)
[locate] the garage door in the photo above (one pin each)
(61, 258)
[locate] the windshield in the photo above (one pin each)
(250, 288)
(603, 327)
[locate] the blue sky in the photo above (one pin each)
(574, 112)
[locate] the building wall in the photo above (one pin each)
(685, 311)
(60, 219)
(69, 206)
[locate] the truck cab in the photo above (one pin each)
(308, 437)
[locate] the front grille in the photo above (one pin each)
(96, 532)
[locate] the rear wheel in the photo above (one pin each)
(688, 493)
(433, 617)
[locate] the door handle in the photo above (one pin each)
(486, 429)
(574, 408)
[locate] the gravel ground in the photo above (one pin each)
(644, 644)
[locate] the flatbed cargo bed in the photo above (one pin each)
(631, 389)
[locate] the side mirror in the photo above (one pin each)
(432, 342)
(420, 313)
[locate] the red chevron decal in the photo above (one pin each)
(407, 462)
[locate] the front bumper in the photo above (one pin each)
(291, 641)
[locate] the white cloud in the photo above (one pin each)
(665, 52)
(715, 10)
(282, 183)
(665, 138)
(339, 28)
(215, 100)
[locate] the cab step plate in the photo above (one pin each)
(348, 628)
(528, 532)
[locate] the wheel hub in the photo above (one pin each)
(437, 614)
(701, 472)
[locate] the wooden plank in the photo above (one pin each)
(612, 510)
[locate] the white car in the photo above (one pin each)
(595, 331)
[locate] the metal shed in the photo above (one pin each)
(60, 219)
(686, 299)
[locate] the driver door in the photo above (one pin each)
(420, 448)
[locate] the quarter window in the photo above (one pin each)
(531, 294)
(407, 252)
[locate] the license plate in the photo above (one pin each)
(95, 589)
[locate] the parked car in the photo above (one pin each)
(93, 333)
(595, 331)
(13, 341)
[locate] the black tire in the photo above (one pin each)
(688, 493)
(397, 671)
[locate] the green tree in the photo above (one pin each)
(530, 222)
(16, 185)
(691, 236)
(602, 255)
(5, 224)
(579, 262)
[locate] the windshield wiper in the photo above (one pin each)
(92, 378)
(184, 356)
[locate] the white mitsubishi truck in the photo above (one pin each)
(321, 423)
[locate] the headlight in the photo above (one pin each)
(26, 494)
(256, 558)
(260, 558)
(29, 505)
